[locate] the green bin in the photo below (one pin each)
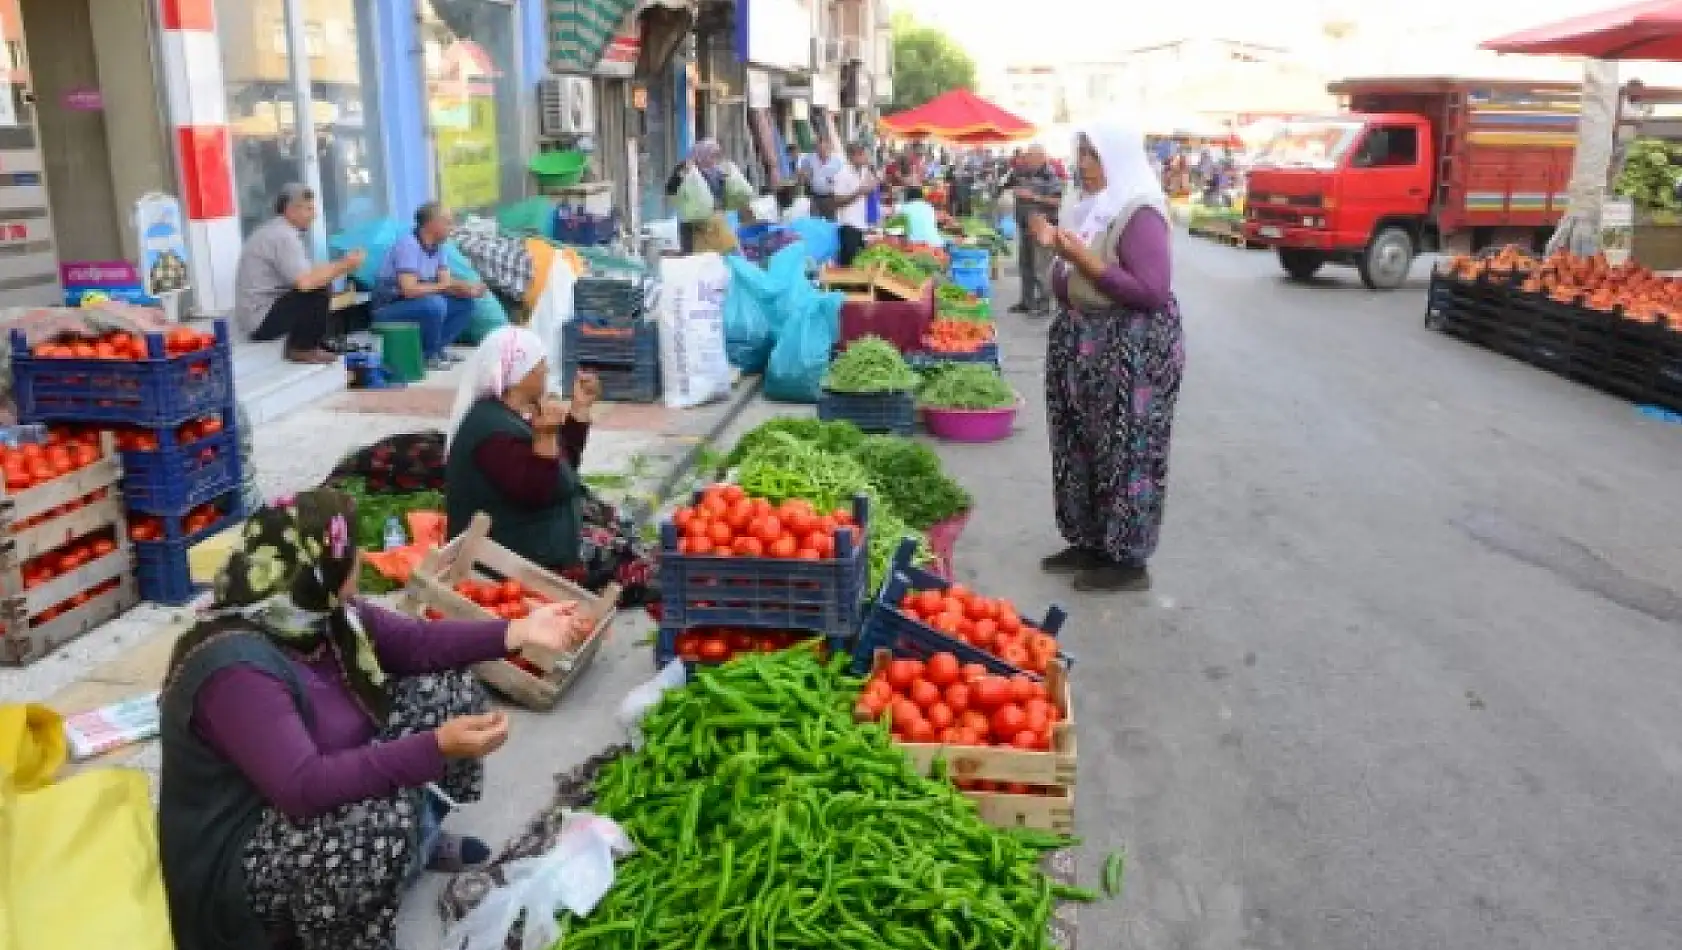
(400, 350)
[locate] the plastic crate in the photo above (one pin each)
(976, 280)
(885, 628)
(665, 647)
(177, 477)
(971, 257)
(619, 383)
(161, 390)
(633, 346)
(826, 597)
(988, 353)
(608, 298)
(575, 228)
(164, 568)
(871, 412)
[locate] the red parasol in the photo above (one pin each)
(1650, 30)
(958, 116)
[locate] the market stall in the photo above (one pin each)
(960, 117)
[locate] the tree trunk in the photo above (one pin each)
(1579, 230)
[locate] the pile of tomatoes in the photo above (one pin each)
(727, 523)
(961, 704)
(987, 623)
(64, 509)
(958, 336)
(723, 644)
(136, 439)
(66, 558)
(510, 599)
(152, 528)
(71, 603)
(118, 345)
(31, 464)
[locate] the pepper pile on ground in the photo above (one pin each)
(765, 816)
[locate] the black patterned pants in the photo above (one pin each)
(334, 882)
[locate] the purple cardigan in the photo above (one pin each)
(307, 768)
(1139, 279)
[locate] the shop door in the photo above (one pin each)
(28, 258)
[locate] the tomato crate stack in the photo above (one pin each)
(168, 399)
(65, 561)
(755, 594)
(474, 578)
(1007, 743)
(892, 624)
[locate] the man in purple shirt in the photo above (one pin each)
(414, 286)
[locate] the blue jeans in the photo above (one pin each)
(442, 318)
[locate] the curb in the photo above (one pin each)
(640, 510)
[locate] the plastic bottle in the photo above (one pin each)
(30, 434)
(395, 537)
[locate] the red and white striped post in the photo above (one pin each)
(198, 113)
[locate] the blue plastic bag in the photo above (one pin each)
(822, 238)
(800, 358)
(373, 237)
(1006, 227)
(756, 303)
(488, 312)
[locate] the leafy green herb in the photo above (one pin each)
(870, 365)
(967, 386)
(911, 479)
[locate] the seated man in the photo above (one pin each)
(277, 293)
(414, 286)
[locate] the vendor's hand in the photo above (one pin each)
(1065, 241)
(586, 389)
(352, 261)
(472, 737)
(551, 412)
(548, 626)
(1042, 231)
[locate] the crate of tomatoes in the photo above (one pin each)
(918, 614)
(60, 594)
(713, 645)
(56, 491)
(475, 578)
(172, 468)
(157, 378)
(727, 560)
(162, 544)
(1007, 742)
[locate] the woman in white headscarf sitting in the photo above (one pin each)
(1113, 362)
(514, 451)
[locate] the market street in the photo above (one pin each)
(1409, 675)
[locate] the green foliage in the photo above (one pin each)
(926, 63)
(1651, 170)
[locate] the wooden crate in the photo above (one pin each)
(1054, 813)
(902, 289)
(861, 280)
(473, 555)
(24, 642)
(995, 764)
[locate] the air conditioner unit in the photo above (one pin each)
(826, 53)
(566, 107)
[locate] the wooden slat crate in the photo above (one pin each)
(1054, 813)
(998, 764)
(473, 555)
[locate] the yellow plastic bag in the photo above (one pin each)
(78, 859)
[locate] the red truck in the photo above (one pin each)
(1414, 165)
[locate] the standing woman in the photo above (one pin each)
(1113, 363)
(708, 158)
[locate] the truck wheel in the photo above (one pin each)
(1385, 264)
(1300, 264)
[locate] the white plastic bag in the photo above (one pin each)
(639, 701)
(738, 191)
(573, 875)
(694, 199)
(552, 312)
(694, 367)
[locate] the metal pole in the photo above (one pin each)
(303, 118)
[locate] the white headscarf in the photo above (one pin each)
(505, 357)
(1129, 181)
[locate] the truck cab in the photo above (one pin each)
(1351, 189)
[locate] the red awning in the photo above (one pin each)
(958, 116)
(1649, 30)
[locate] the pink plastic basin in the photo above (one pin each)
(970, 425)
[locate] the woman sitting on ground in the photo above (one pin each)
(514, 451)
(310, 740)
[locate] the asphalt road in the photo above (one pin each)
(1409, 677)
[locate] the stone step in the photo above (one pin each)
(270, 388)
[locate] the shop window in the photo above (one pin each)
(256, 66)
(472, 98)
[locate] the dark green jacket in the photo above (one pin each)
(207, 808)
(547, 535)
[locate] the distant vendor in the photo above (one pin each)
(277, 291)
(414, 286)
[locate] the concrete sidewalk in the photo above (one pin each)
(636, 455)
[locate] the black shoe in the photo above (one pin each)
(1020, 308)
(1071, 560)
(456, 853)
(1113, 578)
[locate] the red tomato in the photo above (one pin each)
(1015, 654)
(942, 669)
(721, 535)
(990, 693)
(732, 492)
(511, 590)
(689, 646)
(807, 554)
(1022, 689)
(971, 672)
(769, 530)
(975, 721)
(902, 673)
(870, 706)
(783, 547)
(924, 693)
(879, 687)
(681, 519)
(740, 641)
(920, 731)
(700, 545)
(714, 650)
(750, 547)
(1009, 622)
(1008, 720)
(905, 712)
(740, 513)
(1026, 739)
(985, 633)
(939, 715)
(957, 697)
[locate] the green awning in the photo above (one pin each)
(579, 31)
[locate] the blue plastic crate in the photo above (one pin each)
(619, 384)
(177, 477)
(871, 412)
(164, 569)
(638, 347)
(665, 647)
(161, 390)
(976, 280)
(990, 353)
(969, 257)
(886, 628)
(586, 229)
(608, 297)
(826, 597)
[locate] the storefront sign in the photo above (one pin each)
(91, 282)
(84, 99)
(775, 33)
(467, 153)
(825, 92)
(759, 89)
(162, 233)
